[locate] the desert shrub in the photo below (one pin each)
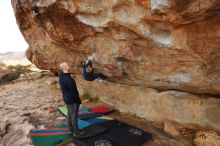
(15, 72)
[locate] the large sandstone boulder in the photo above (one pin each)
(162, 44)
(154, 52)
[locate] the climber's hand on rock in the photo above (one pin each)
(90, 58)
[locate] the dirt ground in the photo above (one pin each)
(24, 106)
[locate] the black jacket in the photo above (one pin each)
(69, 89)
(86, 75)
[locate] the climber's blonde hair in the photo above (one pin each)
(63, 65)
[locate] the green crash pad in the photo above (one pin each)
(63, 110)
(50, 137)
(51, 140)
(54, 138)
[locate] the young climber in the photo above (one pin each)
(71, 99)
(88, 70)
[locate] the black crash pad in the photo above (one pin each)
(92, 130)
(118, 134)
(86, 116)
(100, 140)
(129, 135)
(112, 124)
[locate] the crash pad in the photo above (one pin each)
(85, 116)
(81, 123)
(49, 140)
(105, 118)
(93, 130)
(100, 140)
(129, 135)
(63, 110)
(99, 119)
(100, 110)
(119, 134)
(53, 136)
(49, 130)
(62, 128)
(110, 124)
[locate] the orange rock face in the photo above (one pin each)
(161, 44)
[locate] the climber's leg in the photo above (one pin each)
(99, 75)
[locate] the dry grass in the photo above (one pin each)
(207, 138)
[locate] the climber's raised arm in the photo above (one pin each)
(88, 70)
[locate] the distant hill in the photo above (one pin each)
(12, 56)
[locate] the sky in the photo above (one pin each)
(11, 38)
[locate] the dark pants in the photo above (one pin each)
(93, 76)
(98, 75)
(72, 117)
